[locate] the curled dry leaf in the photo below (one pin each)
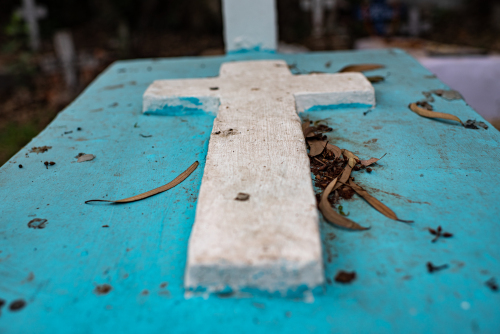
(349, 154)
(433, 114)
(346, 173)
(375, 78)
(333, 216)
(379, 206)
(150, 193)
(305, 125)
(361, 68)
(371, 161)
(316, 147)
(309, 131)
(86, 157)
(336, 151)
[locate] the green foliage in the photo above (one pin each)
(13, 137)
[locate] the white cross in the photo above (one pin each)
(270, 241)
(31, 13)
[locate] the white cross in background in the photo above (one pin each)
(270, 240)
(31, 13)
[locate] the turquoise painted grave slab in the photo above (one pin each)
(435, 173)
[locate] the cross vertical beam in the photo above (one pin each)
(31, 13)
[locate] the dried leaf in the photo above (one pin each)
(150, 193)
(361, 68)
(305, 125)
(86, 157)
(371, 161)
(333, 216)
(316, 147)
(433, 114)
(349, 154)
(379, 206)
(309, 131)
(346, 173)
(375, 78)
(336, 151)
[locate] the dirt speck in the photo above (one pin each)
(163, 285)
(242, 197)
(345, 277)
(102, 289)
(17, 305)
(145, 292)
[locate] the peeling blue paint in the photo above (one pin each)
(338, 106)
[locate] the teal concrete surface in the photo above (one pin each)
(435, 173)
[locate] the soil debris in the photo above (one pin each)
(473, 124)
(439, 233)
(345, 277)
(102, 289)
(433, 268)
(37, 223)
(40, 149)
(492, 284)
(17, 305)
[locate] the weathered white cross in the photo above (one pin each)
(31, 13)
(270, 241)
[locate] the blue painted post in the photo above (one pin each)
(250, 25)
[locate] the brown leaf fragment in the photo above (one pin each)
(86, 157)
(242, 197)
(370, 161)
(375, 203)
(349, 154)
(432, 231)
(345, 276)
(375, 78)
(361, 68)
(316, 147)
(334, 149)
(433, 114)
(309, 131)
(305, 125)
(153, 192)
(331, 215)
